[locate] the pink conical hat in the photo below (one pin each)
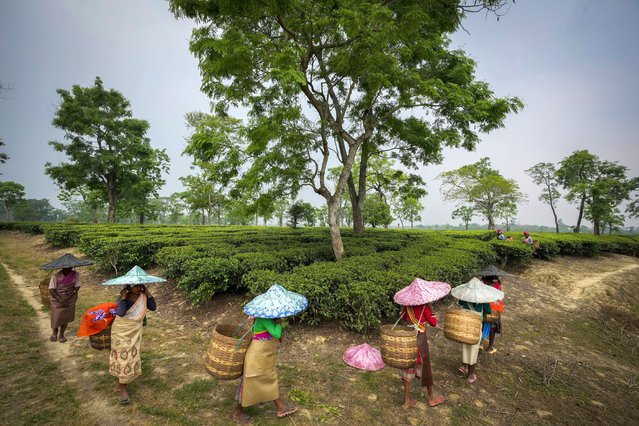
(420, 292)
(364, 357)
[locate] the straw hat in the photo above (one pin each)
(135, 276)
(475, 291)
(66, 261)
(277, 302)
(420, 292)
(364, 357)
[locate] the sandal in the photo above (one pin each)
(62, 339)
(435, 402)
(472, 378)
(491, 351)
(243, 418)
(463, 370)
(124, 399)
(287, 411)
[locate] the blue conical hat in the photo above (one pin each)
(277, 302)
(135, 276)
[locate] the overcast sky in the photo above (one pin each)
(574, 63)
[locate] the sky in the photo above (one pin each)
(573, 63)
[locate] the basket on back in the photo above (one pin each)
(463, 326)
(493, 317)
(225, 357)
(399, 346)
(44, 292)
(101, 340)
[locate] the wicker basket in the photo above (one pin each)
(101, 340)
(462, 326)
(225, 357)
(536, 245)
(492, 317)
(399, 346)
(44, 292)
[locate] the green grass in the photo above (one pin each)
(33, 391)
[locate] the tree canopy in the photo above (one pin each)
(545, 175)
(324, 81)
(108, 151)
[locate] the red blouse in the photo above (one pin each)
(422, 313)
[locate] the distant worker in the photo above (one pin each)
(527, 238)
(501, 236)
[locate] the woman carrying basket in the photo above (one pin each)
(416, 299)
(259, 380)
(63, 288)
(491, 276)
(475, 297)
(135, 300)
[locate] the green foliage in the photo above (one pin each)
(11, 195)
(377, 212)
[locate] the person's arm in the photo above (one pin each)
(428, 315)
(121, 309)
(486, 309)
(269, 325)
(150, 303)
(53, 285)
(77, 281)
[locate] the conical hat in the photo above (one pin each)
(66, 261)
(277, 302)
(364, 357)
(492, 271)
(475, 291)
(135, 276)
(420, 292)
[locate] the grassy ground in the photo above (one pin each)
(560, 360)
(33, 390)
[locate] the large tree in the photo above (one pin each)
(11, 195)
(608, 189)
(107, 149)
(545, 175)
(481, 187)
(368, 70)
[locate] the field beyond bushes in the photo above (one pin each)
(356, 291)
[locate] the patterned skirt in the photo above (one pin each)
(125, 362)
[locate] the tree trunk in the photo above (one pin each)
(203, 217)
(507, 225)
(142, 218)
(596, 225)
(357, 205)
(466, 226)
(113, 200)
(333, 223)
(491, 221)
(281, 220)
(581, 213)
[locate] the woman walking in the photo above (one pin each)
(417, 310)
(259, 380)
(126, 331)
(491, 276)
(475, 297)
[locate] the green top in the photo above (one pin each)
(477, 307)
(267, 324)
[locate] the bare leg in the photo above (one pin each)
(471, 377)
(283, 409)
(63, 328)
(408, 401)
(54, 334)
(491, 339)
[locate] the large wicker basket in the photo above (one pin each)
(399, 346)
(462, 326)
(225, 357)
(101, 340)
(44, 292)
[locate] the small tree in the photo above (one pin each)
(464, 213)
(545, 175)
(295, 214)
(409, 209)
(11, 195)
(377, 212)
(482, 188)
(574, 174)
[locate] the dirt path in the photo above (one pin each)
(93, 401)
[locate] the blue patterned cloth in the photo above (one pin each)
(277, 302)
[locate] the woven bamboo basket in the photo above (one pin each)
(536, 245)
(225, 357)
(462, 326)
(492, 317)
(399, 346)
(101, 340)
(44, 293)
